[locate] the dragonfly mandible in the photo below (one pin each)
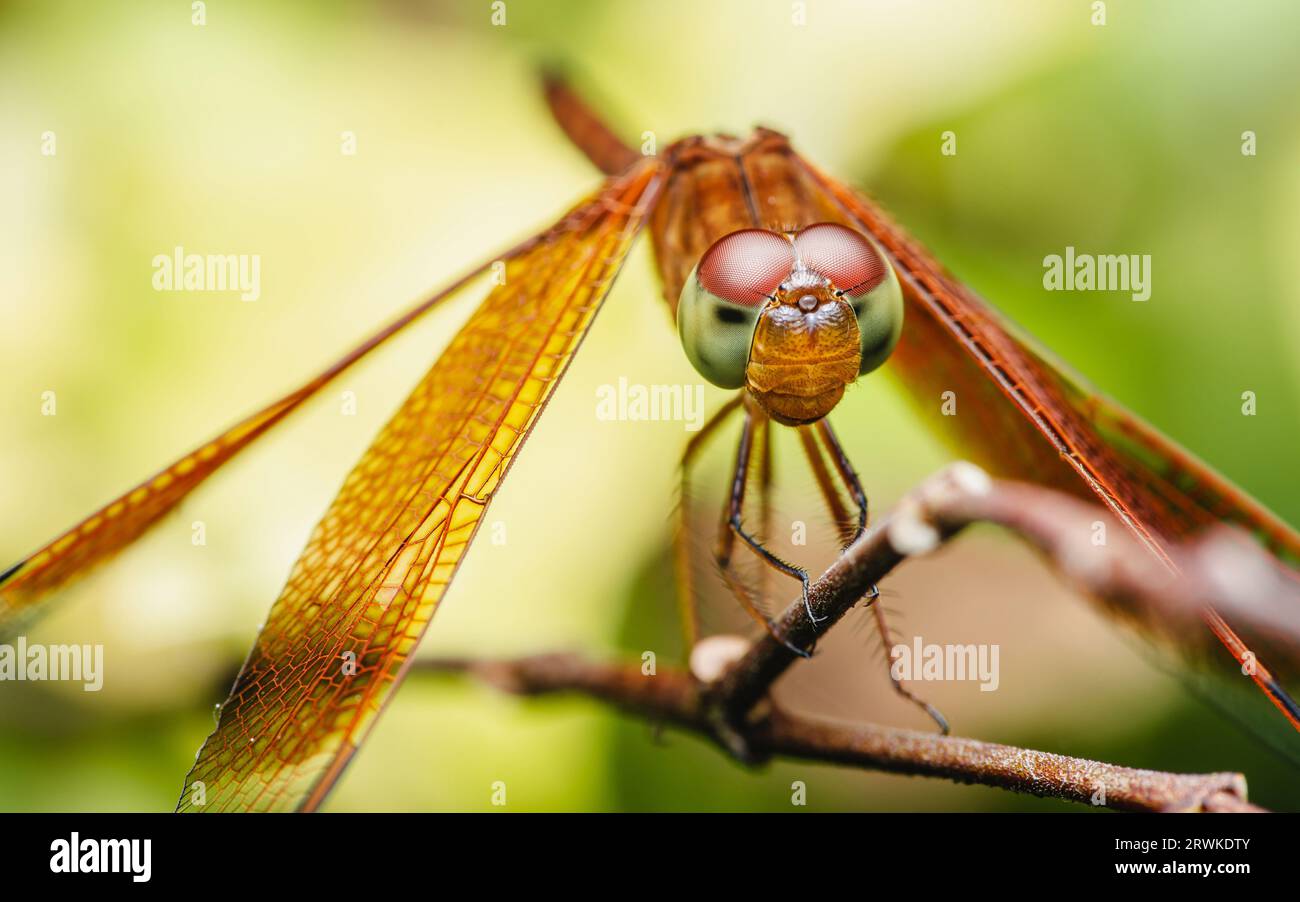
(786, 284)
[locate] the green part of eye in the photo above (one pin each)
(880, 320)
(716, 335)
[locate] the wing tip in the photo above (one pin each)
(11, 572)
(1283, 700)
(552, 72)
(578, 119)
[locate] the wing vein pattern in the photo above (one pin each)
(338, 639)
(26, 589)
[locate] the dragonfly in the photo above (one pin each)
(787, 285)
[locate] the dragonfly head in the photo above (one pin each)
(794, 317)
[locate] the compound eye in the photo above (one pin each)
(723, 298)
(858, 268)
(746, 267)
(842, 255)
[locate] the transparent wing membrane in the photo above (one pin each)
(26, 586)
(338, 639)
(1024, 416)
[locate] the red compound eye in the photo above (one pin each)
(746, 267)
(841, 255)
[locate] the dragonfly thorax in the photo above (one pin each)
(793, 317)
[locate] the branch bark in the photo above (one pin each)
(727, 700)
(674, 697)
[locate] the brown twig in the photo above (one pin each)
(725, 701)
(673, 696)
(1224, 570)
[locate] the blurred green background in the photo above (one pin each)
(225, 138)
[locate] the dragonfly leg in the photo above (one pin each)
(886, 636)
(834, 503)
(763, 456)
(733, 528)
(850, 534)
(849, 477)
(685, 583)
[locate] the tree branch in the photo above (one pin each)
(724, 696)
(673, 696)
(1223, 571)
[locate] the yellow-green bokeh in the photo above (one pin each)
(225, 138)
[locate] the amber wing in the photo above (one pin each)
(1025, 416)
(338, 639)
(26, 588)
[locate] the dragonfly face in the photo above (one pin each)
(792, 316)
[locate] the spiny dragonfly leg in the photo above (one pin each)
(850, 534)
(763, 461)
(682, 548)
(886, 636)
(848, 476)
(732, 527)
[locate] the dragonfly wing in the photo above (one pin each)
(338, 639)
(26, 587)
(584, 128)
(1196, 494)
(1024, 416)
